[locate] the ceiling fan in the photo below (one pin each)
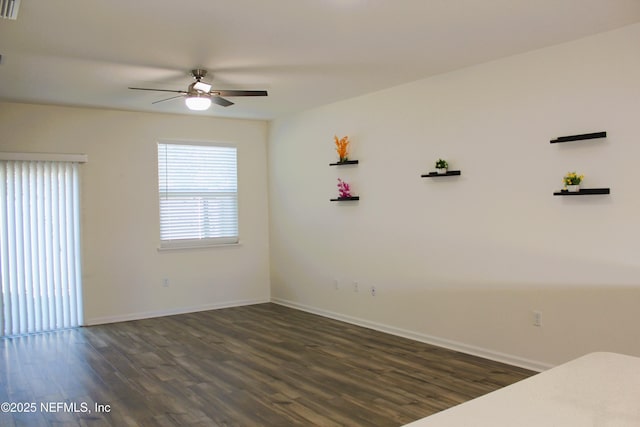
(199, 94)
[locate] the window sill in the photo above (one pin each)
(196, 247)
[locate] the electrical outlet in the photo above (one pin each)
(373, 291)
(537, 318)
(165, 282)
(355, 286)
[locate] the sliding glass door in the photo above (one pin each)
(39, 246)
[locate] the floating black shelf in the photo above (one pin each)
(583, 192)
(436, 174)
(579, 137)
(345, 199)
(347, 162)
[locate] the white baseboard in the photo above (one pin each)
(171, 312)
(416, 336)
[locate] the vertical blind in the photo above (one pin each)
(198, 189)
(40, 246)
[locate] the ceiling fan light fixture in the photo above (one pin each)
(199, 97)
(197, 102)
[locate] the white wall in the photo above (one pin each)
(463, 261)
(123, 270)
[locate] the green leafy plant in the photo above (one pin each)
(572, 178)
(442, 164)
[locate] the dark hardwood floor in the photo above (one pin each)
(261, 365)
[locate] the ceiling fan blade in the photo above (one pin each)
(159, 90)
(239, 92)
(168, 99)
(221, 101)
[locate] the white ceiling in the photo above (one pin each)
(306, 53)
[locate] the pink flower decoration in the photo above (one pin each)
(344, 190)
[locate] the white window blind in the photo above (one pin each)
(198, 189)
(39, 246)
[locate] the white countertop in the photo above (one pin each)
(596, 390)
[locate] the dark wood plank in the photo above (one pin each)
(261, 365)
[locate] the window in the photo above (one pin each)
(198, 189)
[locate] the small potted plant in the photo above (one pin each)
(572, 181)
(342, 148)
(442, 166)
(344, 189)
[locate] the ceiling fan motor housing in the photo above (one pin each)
(198, 86)
(198, 73)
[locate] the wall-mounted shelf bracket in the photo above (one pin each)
(346, 199)
(436, 174)
(347, 162)
(579, 137)
(583, 192)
